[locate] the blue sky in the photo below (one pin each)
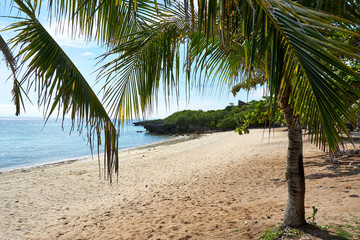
(83, 55)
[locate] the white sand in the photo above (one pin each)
(218, 186)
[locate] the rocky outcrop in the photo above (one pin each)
(155, 126)
(160, 127)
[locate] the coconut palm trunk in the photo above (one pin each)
(294, 211)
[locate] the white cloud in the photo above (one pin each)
(87, 54)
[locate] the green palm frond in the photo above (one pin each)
(60, 85)
(134, 76)
(282, 40)
(349, 9)
(17, 90)
(313, 59)
(106, 21)
(296, 52)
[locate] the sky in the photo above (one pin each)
(84, 56)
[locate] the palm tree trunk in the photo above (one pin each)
(295, 211)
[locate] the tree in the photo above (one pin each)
(281, 42)
(256, 113)
(297, 61)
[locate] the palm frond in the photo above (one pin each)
(288, 43)
(295, 48)
(330, 97)
(106, 21)
(134, 75)
(17, 90)
(60, 85)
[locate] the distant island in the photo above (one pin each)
(238, 118)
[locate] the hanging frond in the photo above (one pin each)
(134, 76)
(60, 85)
(311, 60)
(106, 21)
(294, 48)
(17, 90)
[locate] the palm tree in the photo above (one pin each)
(285, 43)
(291, 46)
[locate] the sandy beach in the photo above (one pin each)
(217, 186)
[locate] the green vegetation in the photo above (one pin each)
(214, 119)
(349, 230)
(257, 114)
(254, 114)
(342, 233)
(272, 233)
(315, 210)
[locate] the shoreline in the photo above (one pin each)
(219, 186)
(35, 143)
(171, 140)
(45, 164)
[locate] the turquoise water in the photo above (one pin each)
(27, 142)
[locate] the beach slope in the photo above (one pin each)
(217, 186)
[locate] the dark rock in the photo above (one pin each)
(155, 126)
(160, 127)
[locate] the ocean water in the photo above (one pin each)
(28, 142)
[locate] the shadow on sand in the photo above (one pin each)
(318, 233)
(346, 165)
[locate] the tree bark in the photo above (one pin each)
(295, 210)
